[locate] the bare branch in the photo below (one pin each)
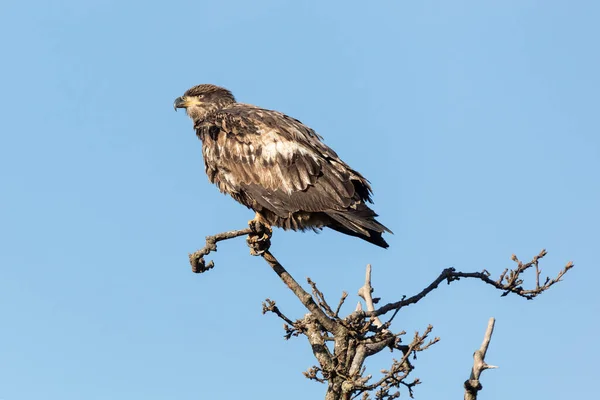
(197, 258)
(472, 385)
(291, 328)
(270, 306)
(509, 282)
(312, 373)
(365, 293)
(320, 298)
(351, 340)
(342, 299)
(304, 297)
(395, 376)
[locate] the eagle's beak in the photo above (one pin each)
(179, 103)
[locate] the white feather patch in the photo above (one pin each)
(275, 145)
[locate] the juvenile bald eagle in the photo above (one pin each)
(278, 167)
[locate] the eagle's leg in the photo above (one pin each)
(259, 240)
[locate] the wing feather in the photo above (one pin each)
(278, 162)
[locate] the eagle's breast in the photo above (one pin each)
(213, 140)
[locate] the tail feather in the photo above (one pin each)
(359, 223)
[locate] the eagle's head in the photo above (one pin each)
(201, 100)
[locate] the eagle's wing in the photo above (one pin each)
(283, 165)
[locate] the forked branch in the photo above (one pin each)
(305, 298)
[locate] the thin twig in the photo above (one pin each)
(342, 299)
(400, 369)
(270, 306)
(320, 298)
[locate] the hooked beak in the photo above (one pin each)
(179, 103)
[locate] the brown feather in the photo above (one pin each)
(279, 167)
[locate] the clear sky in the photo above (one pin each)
(477, 123)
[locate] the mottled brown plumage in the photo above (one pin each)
(279, 167)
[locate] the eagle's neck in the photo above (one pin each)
(202, 111)
(197, 113)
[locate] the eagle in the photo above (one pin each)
(278, 167)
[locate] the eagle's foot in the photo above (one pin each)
(259, 240)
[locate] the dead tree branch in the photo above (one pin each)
(472, 385)
(510, 281)
(305, 298)
(197, 261)
(361, 334)
(365, 293)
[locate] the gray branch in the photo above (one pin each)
(199, 265)
(473, 385)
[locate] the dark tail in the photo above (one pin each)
(360, 223)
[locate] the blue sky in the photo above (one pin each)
(476, 122)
